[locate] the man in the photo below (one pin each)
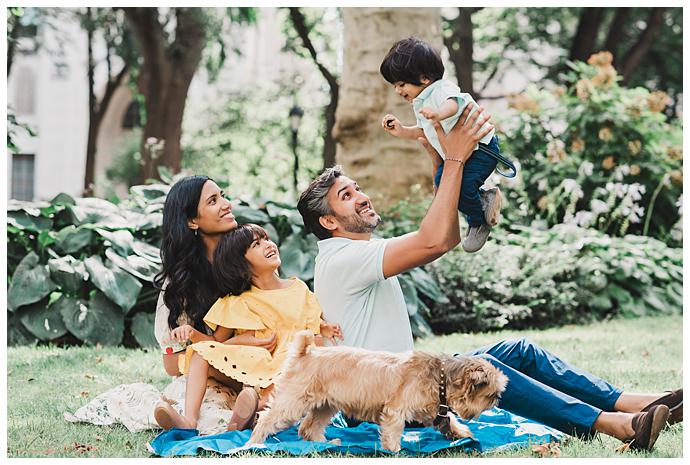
(355, 283)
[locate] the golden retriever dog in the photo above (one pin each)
(381, 387)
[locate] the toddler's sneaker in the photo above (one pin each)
(476, 236)
(491, 200)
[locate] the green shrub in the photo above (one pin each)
(82, 269)
(566, 274)
(598, 154)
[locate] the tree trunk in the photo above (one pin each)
(616, 30)
(329, 147)
(386, 167)
(461, 37)
(637, 52)
(166, 73)
(586, 35)
(93, 113)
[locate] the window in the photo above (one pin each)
(25, 88)
(23, 176)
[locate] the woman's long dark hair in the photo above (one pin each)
(191, 288)
(231, 269)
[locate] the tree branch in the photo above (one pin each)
(644, 42)
(299, 23)
(616, 30)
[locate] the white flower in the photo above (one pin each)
(542, 185)
(583, 218)
(151, 141)
(586, 169)
(569, 185)
(598, 206)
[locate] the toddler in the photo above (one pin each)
(416, 71)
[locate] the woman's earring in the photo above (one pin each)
(196, 231)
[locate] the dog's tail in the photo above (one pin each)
(301, 343)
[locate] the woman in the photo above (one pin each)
(195, 216)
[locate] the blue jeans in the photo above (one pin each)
(477, 168)
(544, 388)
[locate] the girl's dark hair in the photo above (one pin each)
(231, 269)
(410, 59)
(191, 288)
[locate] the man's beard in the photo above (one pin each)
(356, 224)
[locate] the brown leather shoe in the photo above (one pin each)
(647, 426)
(244, 411)
(674, 401)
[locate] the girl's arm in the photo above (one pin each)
(249, 339)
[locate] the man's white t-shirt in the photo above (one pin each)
(350, 286)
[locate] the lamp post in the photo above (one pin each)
(295, 116)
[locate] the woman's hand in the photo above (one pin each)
(460, 142)
(248, 339)
(182, 334)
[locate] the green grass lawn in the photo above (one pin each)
(42, 382)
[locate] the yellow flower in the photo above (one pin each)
(600, 59)
(605, 134)
(559, 91)
(543, 203)
(608, 162)
(634, 147)
(675, 153)
(583, 89)
(658, 100)
(605, 77)
(523, 102)
(634, 170)
(578, 145)
(677, 177)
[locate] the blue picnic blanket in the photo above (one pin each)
(494, 429)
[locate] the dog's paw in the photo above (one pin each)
(392, 446)
(460, 431)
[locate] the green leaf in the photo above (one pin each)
(121, 287)
(245, 214)
(147, 251)
(91, 210)
(46, 238)
(24, 221)
(297, 257)
(121, 240)
(409, 293)
(150, 191)
(68, 272)
(30, 283)
(97, 321)
(71, 239)
(17, 334)
(42, 320)
(134, 264)
(142, 329)
(63, 199)
(426, 284)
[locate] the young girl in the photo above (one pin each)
(416, 70)
(258, 306)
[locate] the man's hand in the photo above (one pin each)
(392, 125)
(430, 114)
(460, 142)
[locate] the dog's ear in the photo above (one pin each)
(479, 379)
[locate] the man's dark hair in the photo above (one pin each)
(313, 202)
(409, 60)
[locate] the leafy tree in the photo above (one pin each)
(171, 44)
(305, 29)
(110, 25)
(646, 42)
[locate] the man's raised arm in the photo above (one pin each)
(439, 231)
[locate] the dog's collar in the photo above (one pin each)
(442, 420)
